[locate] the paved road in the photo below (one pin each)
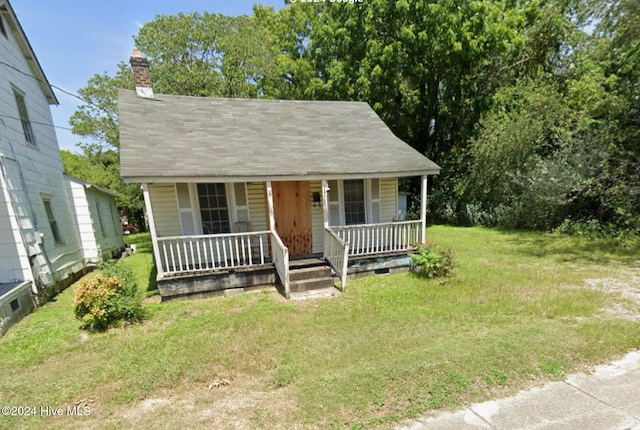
(607, 399)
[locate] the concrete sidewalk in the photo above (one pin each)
(608, 398)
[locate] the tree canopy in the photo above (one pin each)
(531, 107)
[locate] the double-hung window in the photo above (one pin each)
(214, 212)
(212, 208)
(354, 201)
(3, 29)
(52, 220)
(24, 117)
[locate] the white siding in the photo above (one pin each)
(109, 243)
(85, 223)
(34, 170)
(165, 209)
(388, 199)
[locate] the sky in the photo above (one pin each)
(75, 39)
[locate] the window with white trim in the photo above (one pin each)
(354, 202)
(100, 221)
(3, 29)
(211, 208)
(214, 211)
(24, 117)
(55, 231)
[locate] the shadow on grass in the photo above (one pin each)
(565, 248)
(153, 282)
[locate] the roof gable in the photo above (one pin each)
(199, 137)
(13, 25)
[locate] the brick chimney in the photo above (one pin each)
(140, 68)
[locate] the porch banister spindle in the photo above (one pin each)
(261, 252)
(213, 256)
(173, 258)
(218, 255)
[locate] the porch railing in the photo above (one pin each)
(336, 252)
(369, 239)
(281, 261)
(183, 254)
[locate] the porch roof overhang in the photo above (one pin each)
(309, 177)
(199, 139)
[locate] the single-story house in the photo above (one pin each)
(239, 190)
(97, 219)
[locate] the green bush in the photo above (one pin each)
(107, 298)
(432, 261)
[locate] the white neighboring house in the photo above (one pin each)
(41, 245)
(98, 221)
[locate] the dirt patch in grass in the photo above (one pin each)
(239, 405)
(624, 287)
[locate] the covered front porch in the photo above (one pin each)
(298, 223)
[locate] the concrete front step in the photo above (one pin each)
(315, 294)
(311, 284)
(309, 273)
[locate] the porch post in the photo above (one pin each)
(272, 219)
(423, 210)
(152, 229)
(325, 202)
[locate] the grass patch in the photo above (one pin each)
(516, 312)
(141, 263)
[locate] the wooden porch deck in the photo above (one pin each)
(211, 264)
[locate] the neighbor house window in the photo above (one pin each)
(214, 211)
(52, 220)
(354, 202)
(100, 221)
(24, 117)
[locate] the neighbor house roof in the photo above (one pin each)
(89, 185)
(172, 138)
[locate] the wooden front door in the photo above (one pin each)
(292, 213)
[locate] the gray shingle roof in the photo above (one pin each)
(182, 136)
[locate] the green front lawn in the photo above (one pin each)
(521, 309)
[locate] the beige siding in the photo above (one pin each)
(165, 209)
(317, 220)
(257, 211)
(388, 199)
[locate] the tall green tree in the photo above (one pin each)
(193, 54)
(207, 54)
(97, 119)
(423, 66)
(101, 167)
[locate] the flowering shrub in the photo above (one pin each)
(432, 261)
(108, 298)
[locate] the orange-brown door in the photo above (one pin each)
(292, 213)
